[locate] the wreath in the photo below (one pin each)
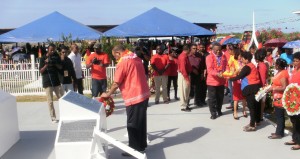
(108, 104)
(291, 100)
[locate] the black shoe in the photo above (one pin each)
(176, 98)
(186, 109)
(204, 103)
(199, 104)
(213, 117)
(125, 154)
(220, 113)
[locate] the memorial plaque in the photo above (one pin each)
(76, 130)
(82, 101)
(74, 106)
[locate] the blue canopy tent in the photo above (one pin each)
(156, 22)
(50, 27)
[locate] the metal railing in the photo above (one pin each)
(22, 79)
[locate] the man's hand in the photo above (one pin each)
(220, 75)
(105, 95)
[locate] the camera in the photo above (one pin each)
(52, 60)
(96, 61)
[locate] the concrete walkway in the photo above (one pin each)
(174, 134)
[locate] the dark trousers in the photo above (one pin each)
(215, 99)
(279, 114)
(203, 90)
(98, 87)
(173, 79)
(295, 119)
(195, 88)
(137, 125)
(78, 85)
(254, 108)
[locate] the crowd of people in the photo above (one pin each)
(228, 69)
(196, 74)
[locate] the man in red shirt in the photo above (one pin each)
(131, 80)
(160, 62)
(216, 64)
(98, 62)
(184, 82)
(196, 62)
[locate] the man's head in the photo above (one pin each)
(193, 49)
(288, 51)
(269, 51)
(64, 51)
(217, 48)
(229, 47)
(159, 50)
(201, 48)
(117, 51)
(186, 49)
(74, 48)
(296, 60)
(51, 49)
(98, 48)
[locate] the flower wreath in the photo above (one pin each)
(291, 100)
(109, 105)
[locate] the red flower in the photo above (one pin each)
(109, 105)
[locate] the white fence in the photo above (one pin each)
(22, 79)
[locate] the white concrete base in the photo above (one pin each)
(9, 127)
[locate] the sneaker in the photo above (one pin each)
(54, 121)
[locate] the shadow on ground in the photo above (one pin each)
(39, 145)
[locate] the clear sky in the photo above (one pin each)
(234, 15)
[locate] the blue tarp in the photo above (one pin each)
(50, 27)
(156, 22)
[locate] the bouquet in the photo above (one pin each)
(228, 74)
(108, 104)
(262, 92)
(290, 99)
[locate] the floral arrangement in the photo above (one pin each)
(262, 92)
(291, 100)
(109, 105)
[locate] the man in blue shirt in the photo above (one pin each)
(288, 56)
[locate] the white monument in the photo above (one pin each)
(79, 116)
(9, 133)
(81, 132)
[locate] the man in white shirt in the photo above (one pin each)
(75, 57)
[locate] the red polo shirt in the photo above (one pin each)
(184, 66)
(160, 61)
(130, 75)
(98, 72)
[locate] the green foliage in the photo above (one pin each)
(109, 43)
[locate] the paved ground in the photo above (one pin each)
(173, 134)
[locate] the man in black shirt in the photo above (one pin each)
(203, 72)
(50, 65)
(67, 73)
